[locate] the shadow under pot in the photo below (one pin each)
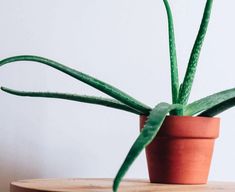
(181, 152)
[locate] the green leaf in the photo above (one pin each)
(209, 102)
(151, 127)
(74, 97)
(100, 85)
(194, 57)
(221, 107)
(173, 56)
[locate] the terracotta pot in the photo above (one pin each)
(182, 150)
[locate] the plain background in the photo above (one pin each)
(123, 42)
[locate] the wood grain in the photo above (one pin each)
(104, 185)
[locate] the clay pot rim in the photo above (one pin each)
(189, 127)
(192, 117)
(187, 116)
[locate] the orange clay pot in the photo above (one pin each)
(182, 150)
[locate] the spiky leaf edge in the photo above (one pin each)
(209, 102)
(217, 109)
(74, 97)
(100, 85)
(173, 55)
(194, 57)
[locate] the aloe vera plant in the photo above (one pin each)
(208, 106)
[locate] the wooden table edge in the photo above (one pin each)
(104, 184)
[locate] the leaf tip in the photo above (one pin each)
(115, 185)
(3, 88)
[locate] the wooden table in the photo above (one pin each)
(104, 185)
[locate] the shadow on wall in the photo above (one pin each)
(29, 147)
(19, 143)
(12, 170)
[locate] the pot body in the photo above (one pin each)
(181, 152)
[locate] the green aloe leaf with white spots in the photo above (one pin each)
(212, 104)
(98, 84)
(74, 97)
(173, 56)
(194, 57)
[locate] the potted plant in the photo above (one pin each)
(178, 137)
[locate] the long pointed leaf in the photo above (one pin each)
(191, 69)
(152, 126)
(74, 97)
(209, 101)
(100, 85)
(221, 107)
(173, 56)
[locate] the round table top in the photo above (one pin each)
(105, 185)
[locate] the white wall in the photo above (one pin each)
(123, 42)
